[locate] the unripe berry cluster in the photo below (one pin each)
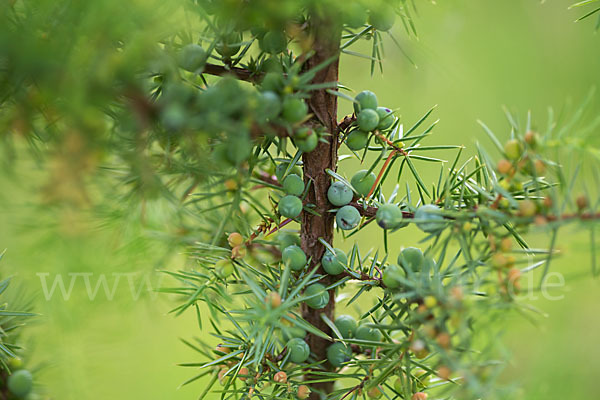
(369, 118)
(290, 206)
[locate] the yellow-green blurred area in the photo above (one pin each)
(473, 57)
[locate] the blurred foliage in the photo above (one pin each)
(16, 379)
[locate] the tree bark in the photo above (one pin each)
(327, 36)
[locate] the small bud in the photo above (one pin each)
(581, 202)
(417, 345)
(15, 363)
(514, 274)
(457, 294)
(273, 299)
(238, 252)
(243, 374)
(531, 138)
(444, 372)
(540, 220)
(527, 208)
(224, 350)
(505, 167)
(430, 301)
(510, 261)
(444, 340)
(222, 373)
(419, 350)
(303, 392)
(548, 202)
(419, 396)
(285, 321)
(374, 393)
(231, 184)
(280, 377)
(235, 239)
(516, 185)
(513, 149)
(504, 184)
(499, 260)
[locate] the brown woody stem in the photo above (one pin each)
(323, 105)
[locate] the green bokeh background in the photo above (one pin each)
(473, 57)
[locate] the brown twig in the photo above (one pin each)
(381, 172)
(267, 178)
(278, 227)
(269, 129)
(239, 73)
(368, 211)
(346, 123)
(265, 227)
(397, 150)
(371, 211)
(390, 143)
(359, 350)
